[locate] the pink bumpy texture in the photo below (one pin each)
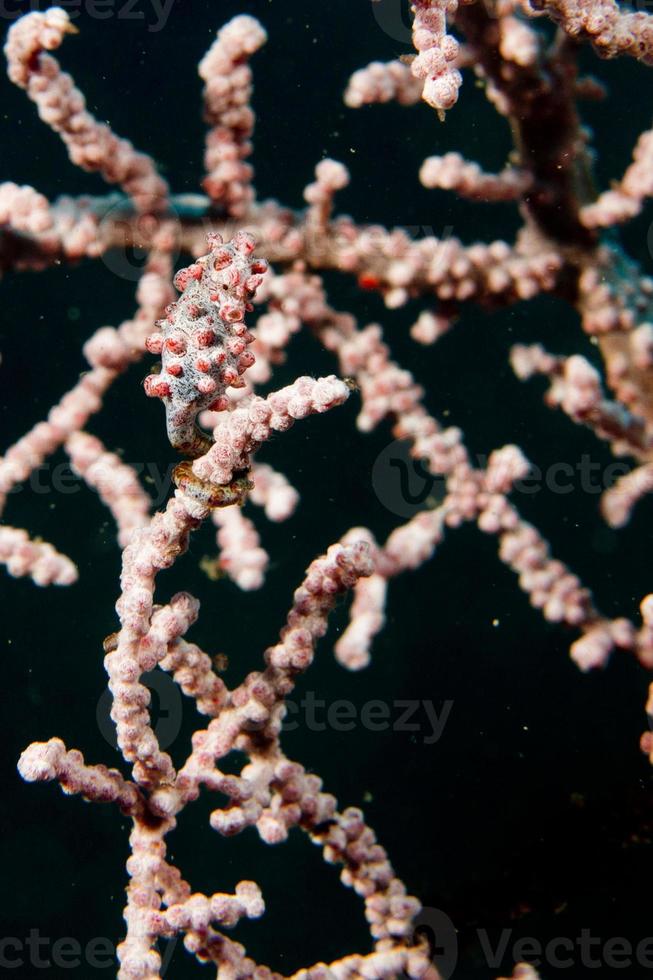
(203, 338)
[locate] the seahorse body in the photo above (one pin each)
(203, 338)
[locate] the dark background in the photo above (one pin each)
(533, 811)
